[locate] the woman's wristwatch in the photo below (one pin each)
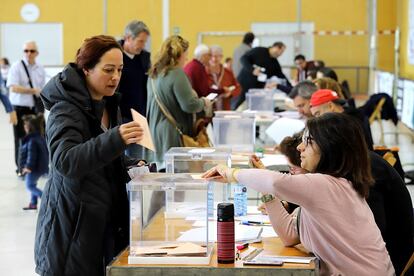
(267, 198)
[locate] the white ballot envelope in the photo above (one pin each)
(283, 127)
(147, 138)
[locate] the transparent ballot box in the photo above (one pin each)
(237, 133)
(169, 235)
(195, 160)
(199, 160)
(260, 101)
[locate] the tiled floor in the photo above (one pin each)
(17, 227)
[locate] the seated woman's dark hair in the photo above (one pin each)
(344, 152)
(288, 147)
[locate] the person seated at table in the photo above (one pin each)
(221, 78)
(335, 221)
(303, 67)
(387, 197)
(301, 94)
(325, 100)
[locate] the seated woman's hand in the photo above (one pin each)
(131, 132)
(262, 208)
(256, 162)
(221, 173)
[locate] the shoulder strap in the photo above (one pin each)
(27, 73)
(164, 110)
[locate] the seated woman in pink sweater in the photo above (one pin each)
(335, 221)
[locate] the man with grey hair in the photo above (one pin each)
(25, 80)
(133, 84)
(301, 95)
(196, 71)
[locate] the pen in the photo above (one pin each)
(255, 222)
(250, 222)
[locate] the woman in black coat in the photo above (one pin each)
(83, 217)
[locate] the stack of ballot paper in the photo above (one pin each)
(177, 249)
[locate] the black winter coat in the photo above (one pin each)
(391, 205)
(84, 208)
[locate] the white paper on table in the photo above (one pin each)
(242, 232)
(147, 138)
(286, 259)
(255, 218)
(274, 160)
(283, 127)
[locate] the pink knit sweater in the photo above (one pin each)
(336, 223)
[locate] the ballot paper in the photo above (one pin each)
(285, 259)
(147, 138)
(178, 249)
(283, 127)
(264, 219)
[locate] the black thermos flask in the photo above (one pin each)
(225, 233)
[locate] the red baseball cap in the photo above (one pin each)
(323, 96)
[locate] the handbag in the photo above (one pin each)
(201, 140)
(38, 104)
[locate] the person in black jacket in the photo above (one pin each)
(257, 61)
(133, 84)
(33, 156)
(83, 220)
(391, 205)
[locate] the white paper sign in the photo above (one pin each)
(283, 127)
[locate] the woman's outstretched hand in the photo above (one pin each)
(131, 132)
(221, 173)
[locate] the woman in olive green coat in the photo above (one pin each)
(169, 84)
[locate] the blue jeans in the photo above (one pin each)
(31, 183)
(6, 102)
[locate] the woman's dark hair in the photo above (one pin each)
(329, 73)
(344, 152)
(92, 49)
(35, 123)
(288, 147)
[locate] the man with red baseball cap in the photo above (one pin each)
(325, 100)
